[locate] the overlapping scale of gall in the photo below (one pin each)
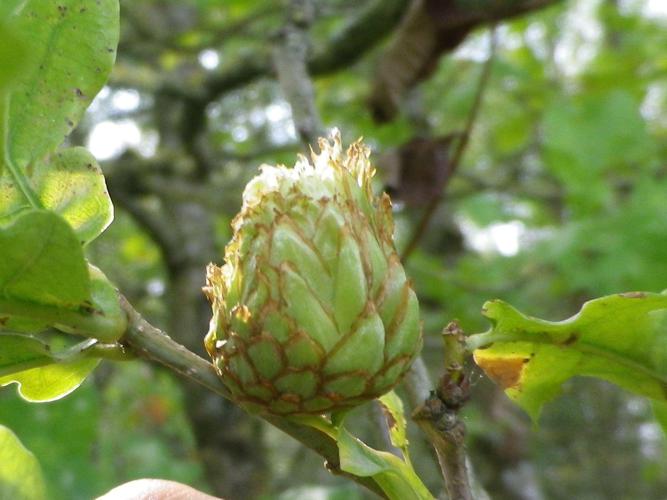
(312, 311)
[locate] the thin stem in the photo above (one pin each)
(153, 344)
(438, 416)
(112, 352)
(429, 211)
(418, 386)
(69, 320)
(482, 340)
(90, 348)
(318, 422)
(447, 437)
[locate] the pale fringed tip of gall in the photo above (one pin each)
(320, 178)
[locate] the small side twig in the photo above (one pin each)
(438, 416)
(462, 144)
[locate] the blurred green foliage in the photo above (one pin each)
(126, 424)
(21, 475)
(561, 197)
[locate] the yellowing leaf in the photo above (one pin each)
(393, 409)
(620, 338)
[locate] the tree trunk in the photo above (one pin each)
(229, 443)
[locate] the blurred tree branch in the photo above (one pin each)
(455, 162)
(430, 29)
(346, 47)
(290, 61)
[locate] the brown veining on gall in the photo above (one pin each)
(633, 295)
(312, 310)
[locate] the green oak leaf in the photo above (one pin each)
(50, 382)
(41, 374)
(392, 407)
(47, 367)
(42, 262)
(396, 478)
(72, 47)
(70, 183)
(13, 51)
(20, 352)
(20, 473)
(45, 279)
(619, 338)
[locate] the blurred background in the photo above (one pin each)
(560, 196)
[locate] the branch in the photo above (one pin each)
(418, 387)
(429, 211)
(446, 434)
(429, 30)
(438, 416)
(289, 57)
(153, 344)
(361, 35)
(346, 47)
(214, 37)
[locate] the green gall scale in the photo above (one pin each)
(312, 311)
